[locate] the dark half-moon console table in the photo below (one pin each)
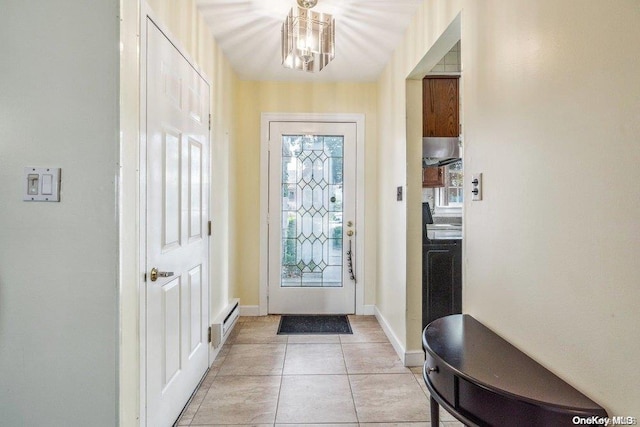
(482, 380)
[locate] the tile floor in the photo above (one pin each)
(263, 379)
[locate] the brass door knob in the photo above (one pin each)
(155, 274)
(350, 233)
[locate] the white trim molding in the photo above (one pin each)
(408, 358)
(395, 342)
(266, 119)
(414, 358)
(250, 310)
(368, 310)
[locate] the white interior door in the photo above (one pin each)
(312, 212)
(177, 187)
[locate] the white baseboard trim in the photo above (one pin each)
(409, 358)
(249, 310)
(368, 310)
(414, 358)
(395, 342)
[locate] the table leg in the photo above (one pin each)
(435, 413)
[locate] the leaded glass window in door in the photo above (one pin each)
(312, 198)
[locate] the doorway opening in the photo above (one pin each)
(312, 210)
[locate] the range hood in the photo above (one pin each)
(440, 151)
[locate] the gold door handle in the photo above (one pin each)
(155, 274)
(350, 233)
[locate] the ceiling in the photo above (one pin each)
(367, 32)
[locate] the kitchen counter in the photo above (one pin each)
(444, 231)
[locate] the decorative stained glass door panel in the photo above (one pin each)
(311, 197)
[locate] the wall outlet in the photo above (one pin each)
(476, 187)
(399, 194)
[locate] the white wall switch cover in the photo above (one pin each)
(41, 184)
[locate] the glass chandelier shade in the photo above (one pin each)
(308, 40)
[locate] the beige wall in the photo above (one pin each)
(399, 227)
(252, 99)
(189, 30)
(550, 256)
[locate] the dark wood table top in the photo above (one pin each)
(474, 352)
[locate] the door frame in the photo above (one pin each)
(146, 13)
(266, 120)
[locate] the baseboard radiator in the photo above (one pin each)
(223, 324)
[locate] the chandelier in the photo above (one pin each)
(308, 38)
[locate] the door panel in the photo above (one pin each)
(171, 332)
(312, 192)
(171, 184)
(195, 308)
(177, 304)
(195, 190)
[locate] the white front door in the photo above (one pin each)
(312, 213)
(177, 186)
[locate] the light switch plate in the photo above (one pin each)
(41, 184)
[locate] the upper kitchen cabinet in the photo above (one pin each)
(433, 177)
(440, 106)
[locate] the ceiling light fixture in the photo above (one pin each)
(308, 38)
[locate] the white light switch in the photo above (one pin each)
(41, 184)
(47, 184)
(33, 184)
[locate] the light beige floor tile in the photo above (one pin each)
(313, 339)
(192, 408)
(423, 424)
(270, 318)
(182, 421)
(233, 335)
(315, 399)
(365, 332)
(254, 359)
(233, 425)
(359, 318)
(224, 351)
(416, 369)
(211, 375)
(259, 333)
(317, 425)
(240, 400)
(307, 359)
(389, 398)
(372, 358)
(421, 383)
(217, 363)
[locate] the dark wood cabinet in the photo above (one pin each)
(440, 118)
(433, 177)
(441, 279)
(440, 104)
